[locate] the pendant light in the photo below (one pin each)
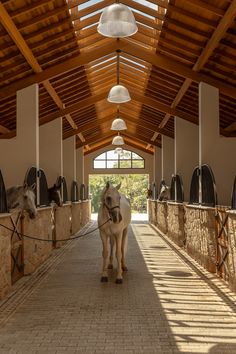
(118, 93)
(118, 140)
(118, 123)
(117, 21)
(118, 150)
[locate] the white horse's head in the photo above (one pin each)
(111, 200)
(28, 200)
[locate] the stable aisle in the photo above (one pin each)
(166, 303)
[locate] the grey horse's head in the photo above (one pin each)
(111, 201)
(164, 192)
(28, 200)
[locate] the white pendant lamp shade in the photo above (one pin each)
(118, 94)
(118, 140)
(118, 150)
(118, 124)
(117, 21)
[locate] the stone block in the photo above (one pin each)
(35, 251)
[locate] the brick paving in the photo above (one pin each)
(167, 303)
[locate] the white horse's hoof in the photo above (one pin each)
(104, 279)
(119, 281)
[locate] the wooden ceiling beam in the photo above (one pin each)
(212, 43)
(207, 7)
(96, 138)
(28, 55)
(61, 68)
(75, 107)
(4, 130)
(160, 107)
(125, 45)
(138, 137)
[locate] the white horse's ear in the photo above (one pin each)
(33, 186)
(118, 187)
(25, 185)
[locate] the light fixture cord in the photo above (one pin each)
(118, 68)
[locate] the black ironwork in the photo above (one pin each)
(87, 192)
(43, 189)
(31, 177)
(82, 192)
(61, 181)
(204, 175)
(3, 197)
(194, 187)
(177, 189)
(172, 188)
(233, 195)
(209, 195)
(74, 192)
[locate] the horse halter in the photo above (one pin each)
(110, 209)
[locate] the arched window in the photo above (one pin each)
(112, 159)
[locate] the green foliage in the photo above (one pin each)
(134, 186)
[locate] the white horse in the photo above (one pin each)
(115, 206)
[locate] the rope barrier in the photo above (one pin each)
(47, 240)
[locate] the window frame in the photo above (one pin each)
(119, 161)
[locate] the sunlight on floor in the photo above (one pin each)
(199, 318)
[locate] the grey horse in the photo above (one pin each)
(22, 197)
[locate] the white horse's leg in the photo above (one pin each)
(124, 248)
(112, 244)
(119, 257)
(104, 277)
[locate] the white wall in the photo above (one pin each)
(80, 165)
(88, 164)
(168, 159)
(69, 162)
(186, 152)
(50, 148)
(22, 152)
(216, 151)
(157, 166)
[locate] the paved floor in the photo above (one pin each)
(165, 305)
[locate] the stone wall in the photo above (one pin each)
(232, 249)
(36, 252)
(175, 221)
(85, 212)
(152, 211)
(200, 235)
(5, 255)
(63, 224)
(162, 216)
(76, 216)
